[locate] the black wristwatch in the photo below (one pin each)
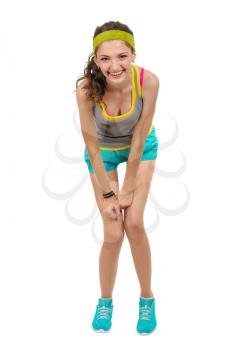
(109, 194)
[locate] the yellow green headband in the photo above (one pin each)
(113, 35)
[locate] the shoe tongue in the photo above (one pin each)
(105, 302)
(146, 301)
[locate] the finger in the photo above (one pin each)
(114, 216)
(121, 206)
(114, 213)
(119, 210)
(117, 213)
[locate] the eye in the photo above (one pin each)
(106, 58)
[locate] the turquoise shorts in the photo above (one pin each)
(112, 158)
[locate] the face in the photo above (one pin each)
(114, 58)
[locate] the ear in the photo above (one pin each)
(95, 60)
(134, 56)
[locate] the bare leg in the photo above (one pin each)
(141, 253)
(135, 230)
(113, 238)
(108, 263)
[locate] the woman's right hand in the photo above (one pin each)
(111, 208)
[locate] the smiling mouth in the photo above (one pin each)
(115, 75)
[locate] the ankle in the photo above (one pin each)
(104, 296)
(147, 295)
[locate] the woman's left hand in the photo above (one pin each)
(125, 199)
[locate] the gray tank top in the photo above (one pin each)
(116, 132)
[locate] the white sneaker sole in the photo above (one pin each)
(146, 333)
(100, 330)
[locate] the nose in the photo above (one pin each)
(115, 67)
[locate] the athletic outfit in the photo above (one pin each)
(115, 132)
(115, 136)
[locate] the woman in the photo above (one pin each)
(116, 101)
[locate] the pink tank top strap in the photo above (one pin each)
(141, 76)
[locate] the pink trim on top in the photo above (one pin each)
(141, 76)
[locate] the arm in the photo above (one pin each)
(150, 90)
(89, 133)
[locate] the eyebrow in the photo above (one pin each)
(118, 54)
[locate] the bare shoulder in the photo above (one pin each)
(150, 81)
(81, 93)
(150, 77)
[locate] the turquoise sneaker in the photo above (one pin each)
(147, 319)
(102, 321)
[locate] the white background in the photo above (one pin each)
(48, 261)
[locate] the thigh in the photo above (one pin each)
(133, 215)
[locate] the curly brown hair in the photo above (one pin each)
(96, 81)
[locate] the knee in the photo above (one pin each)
(113, 239)
(133, 227)
(113, 232)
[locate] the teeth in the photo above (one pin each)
(116, 74)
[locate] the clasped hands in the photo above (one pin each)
(113, 207)
(125, 198)
(125, 195)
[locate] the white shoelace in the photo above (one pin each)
(103, 312)
(145, 312)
